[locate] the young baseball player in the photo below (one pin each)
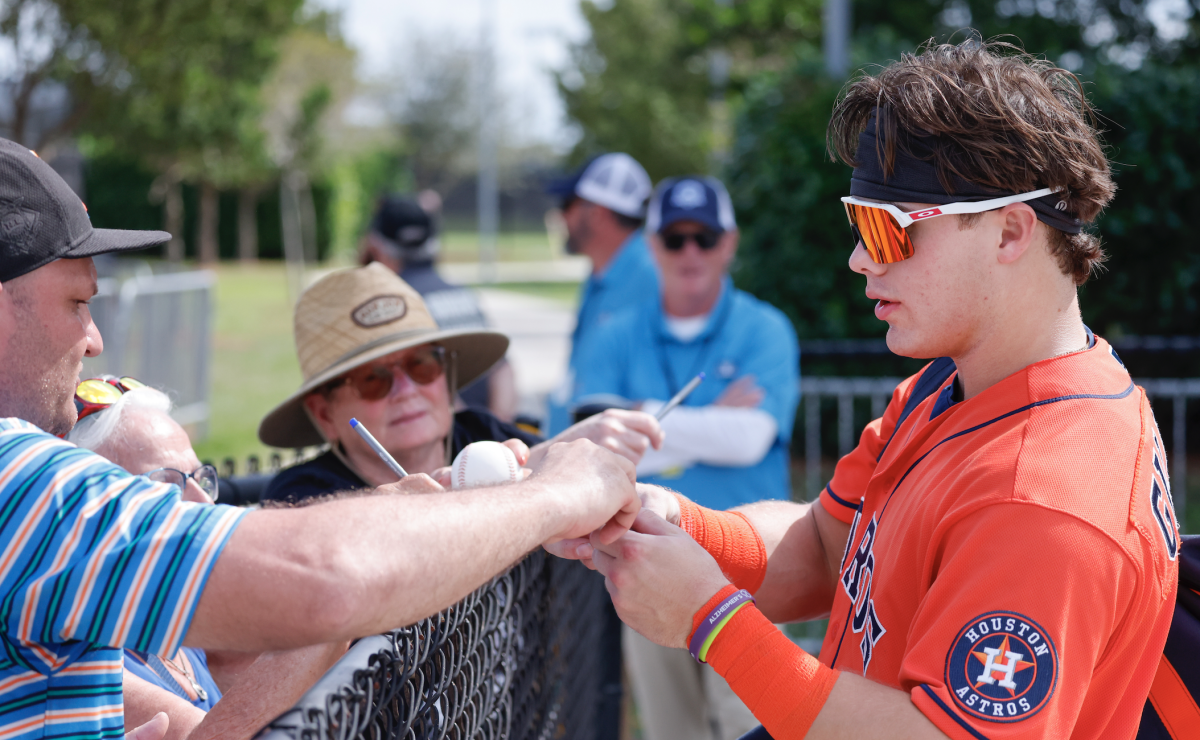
(997, 557)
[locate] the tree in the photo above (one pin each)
(186, 99)
(652, 73)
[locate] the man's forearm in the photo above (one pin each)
(265, 690)
(361, 566)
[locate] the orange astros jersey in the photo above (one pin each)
(1011, 561)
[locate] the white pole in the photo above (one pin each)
(488, 192)
(837, 38)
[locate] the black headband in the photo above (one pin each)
(915, 179)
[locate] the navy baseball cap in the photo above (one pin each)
(42, 219)
(693, 198)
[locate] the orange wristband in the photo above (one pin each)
(781, 684)
(730, 538)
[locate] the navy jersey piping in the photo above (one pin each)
(954, 716)
(926, 386)
(839, 499)
(977, 427)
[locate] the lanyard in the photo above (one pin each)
(706, 346)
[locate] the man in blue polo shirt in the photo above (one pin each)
(727, 444)
(603, 206)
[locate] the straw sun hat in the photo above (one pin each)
(351, 317)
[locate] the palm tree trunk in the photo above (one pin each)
(248, 224)
(209, 220)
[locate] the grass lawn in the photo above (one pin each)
(254, 364)
(520, 246)
(562, 292)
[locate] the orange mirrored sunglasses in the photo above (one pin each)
(883, 228)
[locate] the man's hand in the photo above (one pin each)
(444, 476)
(593, 488)
(654, 498)
(155, 729)
(627, 433)
(742, 393)
(414, 483)
(658, 577)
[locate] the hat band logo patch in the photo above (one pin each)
(1002, 667)
(380, 310)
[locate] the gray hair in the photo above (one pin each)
(94, 431)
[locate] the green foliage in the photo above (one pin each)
(187, 91)
(1152, 284)
(644, 81)
(636, 91)
(117, 188)
(795, 242)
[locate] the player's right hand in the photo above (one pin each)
(660, 500)
(592, 488)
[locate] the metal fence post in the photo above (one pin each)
(812, 444)
(1179, 490)
(845, 424)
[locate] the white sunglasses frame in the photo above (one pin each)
(947, 209)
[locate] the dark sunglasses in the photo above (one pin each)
(706, 240)
(373, 382)
(205, 477)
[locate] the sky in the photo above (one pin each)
(531, 38)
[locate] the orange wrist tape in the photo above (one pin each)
(781, 684)
(730, 538)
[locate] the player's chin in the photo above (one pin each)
(907, 342)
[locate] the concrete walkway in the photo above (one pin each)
(540, 333)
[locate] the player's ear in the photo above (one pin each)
(1018, 228)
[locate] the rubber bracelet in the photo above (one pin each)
(716, 619)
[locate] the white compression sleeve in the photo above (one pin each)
(715, 435)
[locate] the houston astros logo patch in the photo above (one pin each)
(1002, 667)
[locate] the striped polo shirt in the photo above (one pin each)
(92, 560)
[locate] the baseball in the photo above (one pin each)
(484, 464)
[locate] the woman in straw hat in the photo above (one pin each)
(370, 350)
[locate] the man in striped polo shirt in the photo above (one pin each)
(93, 560)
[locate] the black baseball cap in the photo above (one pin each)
(42, 219)
(403, 221)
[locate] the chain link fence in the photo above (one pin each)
(524, 657)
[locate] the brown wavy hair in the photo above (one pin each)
(1001, 118)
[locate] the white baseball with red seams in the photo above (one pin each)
(484, 464)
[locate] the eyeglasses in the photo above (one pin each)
(205, 477)
(675, 241)
(882, 227)
(373, 382)
(97, 394)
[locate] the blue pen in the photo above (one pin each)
(383, 454)
(679, 397)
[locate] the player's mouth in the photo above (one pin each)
(883, 307)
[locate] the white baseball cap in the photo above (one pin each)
(615, 181)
